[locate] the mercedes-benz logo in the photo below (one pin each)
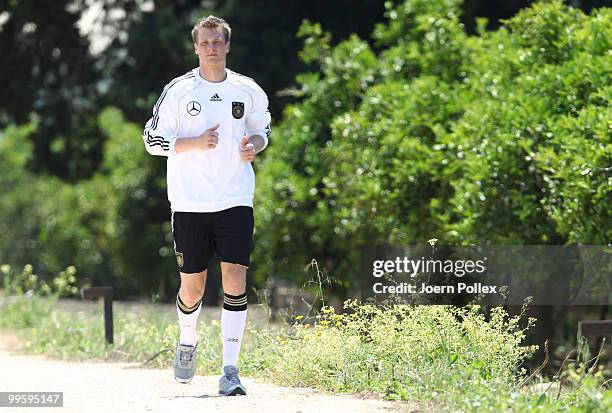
(193, 108)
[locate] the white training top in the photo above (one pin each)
(214, 179)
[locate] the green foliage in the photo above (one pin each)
(454, 357)
(545, 31)
(108, 226)
(423, 132)
(138, 225)
(579, 175)
(50, 72)
(27, 282)
(423, 38)
(284, 197)
(26, 299)
(502, 137)
(504, 183)
(377, 348)
(20, 194)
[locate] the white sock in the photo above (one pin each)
(233, 320)
(188, 320)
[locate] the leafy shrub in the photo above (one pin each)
(26, 299)
(111, 226)
(497, 138)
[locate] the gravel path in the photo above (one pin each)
(123, 387)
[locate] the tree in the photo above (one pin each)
(441, 135)
(49, 72)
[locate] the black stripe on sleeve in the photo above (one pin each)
(155, 119)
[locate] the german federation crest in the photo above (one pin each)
(179, 259)
(238, 109)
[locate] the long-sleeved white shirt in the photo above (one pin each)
(214, 179)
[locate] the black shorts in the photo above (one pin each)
(200, 236)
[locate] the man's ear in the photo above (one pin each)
(227, 47)
(195, 48)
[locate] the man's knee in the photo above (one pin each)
(192, 290)
(191, 296)
(234, 278)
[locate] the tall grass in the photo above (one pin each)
(454, 356)
(25, 299)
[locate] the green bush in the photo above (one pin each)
(25, 299)
(114, 226)
(377, 348)
(497, 138)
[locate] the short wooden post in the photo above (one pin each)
(107, 293)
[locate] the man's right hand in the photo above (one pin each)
(209, 139)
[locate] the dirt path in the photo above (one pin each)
(123, 387)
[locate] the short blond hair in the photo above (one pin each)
(211, 22)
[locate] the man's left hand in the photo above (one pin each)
(247, 150)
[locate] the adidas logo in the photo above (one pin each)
(215, 98)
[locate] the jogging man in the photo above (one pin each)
(210, 123)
